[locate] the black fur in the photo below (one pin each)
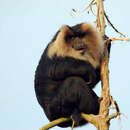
(60, 85)
(63, 89)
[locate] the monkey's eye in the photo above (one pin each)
(68, 38)
(82, 35)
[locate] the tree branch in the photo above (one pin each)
(106, 102)
(54, 123)
(100, 17)
(120, 39)
(90, 118)
(113, 25)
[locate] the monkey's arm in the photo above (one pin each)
(63, 68)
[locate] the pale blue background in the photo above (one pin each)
(26, 26)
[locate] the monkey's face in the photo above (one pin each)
(81, 41)
(79, 38)
(77, 44)
(68, 43)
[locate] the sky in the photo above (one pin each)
(26, 27)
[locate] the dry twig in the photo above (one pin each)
(89, 8)
(112, 25)
(120, 39)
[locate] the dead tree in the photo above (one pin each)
(102, 120)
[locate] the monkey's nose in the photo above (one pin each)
(79, 45)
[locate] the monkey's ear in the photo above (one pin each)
(64, 31)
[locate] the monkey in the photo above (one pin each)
(68, 71)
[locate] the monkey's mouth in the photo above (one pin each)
(80, 47)
(81, 50)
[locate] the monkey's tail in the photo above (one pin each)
(77, 120)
